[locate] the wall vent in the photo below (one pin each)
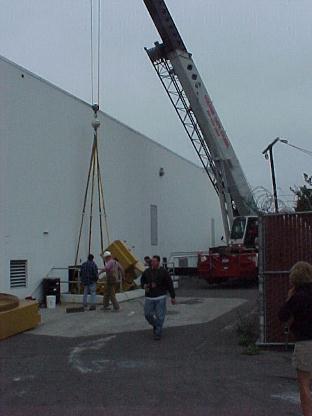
(18, 273)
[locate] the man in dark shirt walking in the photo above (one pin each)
(89, 276)
(157, 282)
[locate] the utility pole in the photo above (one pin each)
(265, 152)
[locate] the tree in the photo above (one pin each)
(303, 195)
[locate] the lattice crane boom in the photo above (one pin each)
(189, 96)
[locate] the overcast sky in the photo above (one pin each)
(255, 57)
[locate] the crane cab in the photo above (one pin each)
(244, 232)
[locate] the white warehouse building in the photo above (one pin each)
(45, 145)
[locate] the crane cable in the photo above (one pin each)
(99, 48)
(91, 51)
(94, 173)
(95, 75)
(95, 106)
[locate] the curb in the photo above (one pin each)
(121, 297)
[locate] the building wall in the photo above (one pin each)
(45, 145)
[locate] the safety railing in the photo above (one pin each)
(70, 286)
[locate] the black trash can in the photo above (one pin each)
(52, 287)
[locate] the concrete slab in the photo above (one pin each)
(188, 311)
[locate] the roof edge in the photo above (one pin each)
(43, 80)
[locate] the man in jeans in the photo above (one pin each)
(156, 281)
(89, 276)
(114, 273)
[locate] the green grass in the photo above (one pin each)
(247, 331)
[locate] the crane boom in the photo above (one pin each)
(187, 92)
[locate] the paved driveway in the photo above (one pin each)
(196, 369)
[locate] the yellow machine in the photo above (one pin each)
(125, 257)
(132, 266)
(17, 316)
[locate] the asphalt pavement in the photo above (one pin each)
(196, 369)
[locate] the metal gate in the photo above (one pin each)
(284, 239)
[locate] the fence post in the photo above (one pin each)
(261, 278)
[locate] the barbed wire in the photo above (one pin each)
(264, 200)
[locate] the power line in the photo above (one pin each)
(301, 149)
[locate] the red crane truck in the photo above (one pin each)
(185, 88)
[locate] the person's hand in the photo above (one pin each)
(173, 301)
(291, 292)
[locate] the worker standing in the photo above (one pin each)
(157, 282)
(147, 262)
(89, 276)
(114, 272)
